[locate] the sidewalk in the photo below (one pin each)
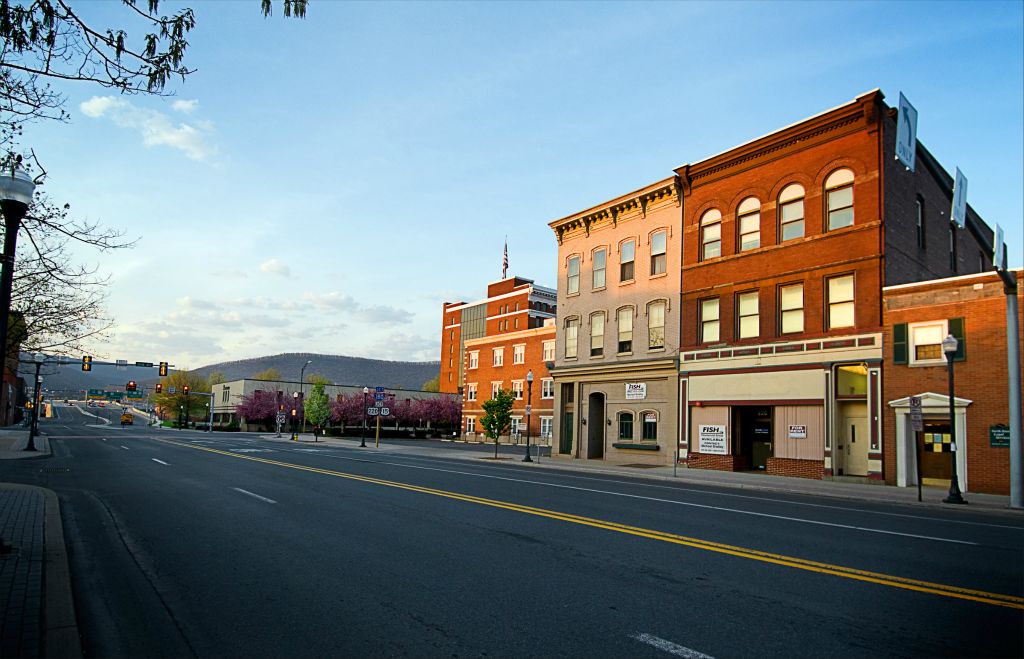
(749, 481)
(37, 613)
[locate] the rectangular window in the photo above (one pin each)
(840, 207)
(471, 391)
(597, 335)
(926, 342)
(919, 219)
(659, 260)
(547, 388)
(791, 308)
(748, 320)
(750, 230)
(515, 425)
(545, 427)
(626, 425)
(573, 282)
(474, 359)
(650, 427)
(709, 327)
(517, 389)
(497, 357)
(711, 240)
(549, 351)
(495, 388)
(656, 325)
(792, 215)
(519, 354)
(572, 332)
(840, 302)
(626, 257)
(625, 324)
(470, 424)
(600, 264)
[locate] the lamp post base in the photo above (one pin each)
(954, 497)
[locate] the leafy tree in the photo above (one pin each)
(317, 378)
(216, 377)
(432, 385)
(270, 375)
(263, 406)
(497, 416)
(318, 408)
(347, 409)
(171, 404)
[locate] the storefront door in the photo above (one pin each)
(933, 447)
(854, 448)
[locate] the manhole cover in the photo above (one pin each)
(55, 470)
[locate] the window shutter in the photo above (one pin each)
(956, 328)
(899, 343)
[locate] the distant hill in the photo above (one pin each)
(336, 368)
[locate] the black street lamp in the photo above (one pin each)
(38, 359)
(362, 433)
(529, 410)
(949, 345)
(302, 394)
(15, 196)
(295, 417)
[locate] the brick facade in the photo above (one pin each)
(718, 462)
(813, 469)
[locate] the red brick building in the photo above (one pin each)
(787, 243)
(916, 318)
(504, 361)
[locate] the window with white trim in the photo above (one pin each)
(470, 424)
(549, 351)
(627, 254)
(839, 198)
(515, 425)
(659, 260)
(497, 356)
(573, 281)
(624, 323)
(471, 391)
(597, 334)
(926, 342)
(600, 267)
(711, 234)
(519, 354)
(649, 427)
(547, 388)
(840, 302)
(710, 330)
(495, 388)
(655, 325)
(748, 221)
(572, 333)
(545, 427)
(791, 212)
(791, 308)
(474, 358)
(748, 319)
(517, 389)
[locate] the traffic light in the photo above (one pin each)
(130, 386)
(163, 369)
(87, 363)
(185, 389)
(159, 388)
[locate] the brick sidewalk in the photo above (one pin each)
(22, 512)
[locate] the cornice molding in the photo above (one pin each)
(638, 201)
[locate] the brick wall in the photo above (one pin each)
(797, 468)
(450, 357)
(718, 462)
(981, 377)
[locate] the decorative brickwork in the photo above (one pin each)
(798, 468)
(718, 462)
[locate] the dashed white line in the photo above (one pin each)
(160, 461)
(124, 447)
(670, 647)
(255, 496)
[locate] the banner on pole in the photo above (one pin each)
(906, 133)
(959, 212)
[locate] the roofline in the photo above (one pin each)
(517, 291)
(651, 187)
(524, 333)
(948, 280)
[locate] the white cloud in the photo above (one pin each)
(186, 107)
(275, 267)
(156, 128)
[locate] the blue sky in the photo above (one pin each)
(322, 185)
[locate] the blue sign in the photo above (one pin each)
(379, 390)
(378, 396)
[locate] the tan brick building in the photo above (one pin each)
(788, 241)
(615, 375)
(504, 361)
(916, 318)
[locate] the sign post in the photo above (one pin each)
(917, 421)
(280, 422)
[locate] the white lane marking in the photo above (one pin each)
(103, 438)
(124, 447)
(672, 501)
(675, 488)
(160, 461)
(238, 489)
(251, 450)
(670, 647)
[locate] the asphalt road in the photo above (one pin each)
(186, 543)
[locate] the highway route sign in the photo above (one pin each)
(379, 390)
(172, 390)
(378, 397)
(373, 411)
(385, 411)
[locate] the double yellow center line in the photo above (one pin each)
(944, 590)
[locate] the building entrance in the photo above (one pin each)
(595, 426)
(754, 435)
(933, 449)
(852, 445)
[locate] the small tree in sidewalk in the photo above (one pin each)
(497, 416)
(318, 407)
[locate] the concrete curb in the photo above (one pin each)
(60, 627)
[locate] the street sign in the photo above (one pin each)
(378, 397)
(959, 212)
(122, 364)
(172, 390)
(916, 417)
(379, 390)
(280, 418)
(144, 364)
(998, 251)
(373, 411)
(906, 133)
(529, 408)
(385, 411)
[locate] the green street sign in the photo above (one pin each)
(96, 394)
(999, 436)
(114, 395)
(135, 395)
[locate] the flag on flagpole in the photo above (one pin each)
(504, 263)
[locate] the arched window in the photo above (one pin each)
(748, 222)
(710, 234)
(649, 432)
(626, 425)
(791, 212)
(839, 198)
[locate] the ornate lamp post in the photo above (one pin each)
(949, 345)
(362, 432)
(529, 410)
(302, 394)
(15, 196)
(295, 417)
(38, 359)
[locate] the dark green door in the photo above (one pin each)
(565, 437)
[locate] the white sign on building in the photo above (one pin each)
(906, 133)
(959, 212)
(636, 390)
(712, 440)
(797, 432)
